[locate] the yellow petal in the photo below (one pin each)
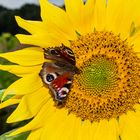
(135, 22)
(114, 128)
(43, 41)
(58, 18)
(25, 57)
(54, 124)
(69, 124)
(89, 19)
(130, 126)
(75, 11)
(135, 38)
(44, 34)
(59, 126)
(20, 70)
(136, 45)
(35, 134)
(137, 107)
(41, 118)
(112, 13)
(25, 85)
(105, 131)
(100, 14)
(136, 10)
(30, 105)
(94, 127)
(85, 131)
(119, 20)
(34, 27)
(9, 102)
(77, 129)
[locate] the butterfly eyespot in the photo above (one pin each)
(69, 52)
(50, 77)
(54, 52)
(63, 92)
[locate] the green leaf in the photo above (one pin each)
(22, 136)
(134, 29)
(7, 97)
(78, 34)
(1, 93)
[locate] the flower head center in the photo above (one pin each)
(108, 84)
(99, 75)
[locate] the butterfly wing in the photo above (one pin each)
(67, 54)
(61, 86)
(58, 74)
(58, 80)
(62, 53)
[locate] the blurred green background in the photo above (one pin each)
(8, 28)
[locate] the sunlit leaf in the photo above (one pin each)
(22, 136)
(7, 97)
(1, 93)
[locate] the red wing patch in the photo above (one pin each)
(60, 81)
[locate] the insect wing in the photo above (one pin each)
(59, 81)
(58, 74)
(61, 86)
(62, 53)
(67, 54)
(52, 54)
(48, 73)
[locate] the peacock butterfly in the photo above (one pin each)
(58, 74)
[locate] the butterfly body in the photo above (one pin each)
(59, 73)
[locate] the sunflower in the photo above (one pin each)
(103, 102)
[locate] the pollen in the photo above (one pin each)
(108, 83)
